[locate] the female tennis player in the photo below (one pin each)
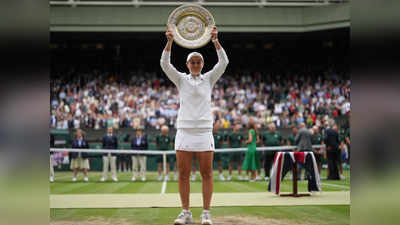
(195, 122)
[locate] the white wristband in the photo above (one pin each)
(214, 40)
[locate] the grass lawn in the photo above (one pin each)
(318, 215)
(271, 215)
(64, 185)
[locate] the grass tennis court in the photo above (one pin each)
(285, 215)
(308, 214)
(64, 185)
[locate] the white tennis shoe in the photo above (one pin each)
(184, 218)
(206, 218)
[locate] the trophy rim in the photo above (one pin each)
(180, 40)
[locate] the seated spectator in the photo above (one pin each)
(286, 99)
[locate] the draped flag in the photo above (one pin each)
(284, 161)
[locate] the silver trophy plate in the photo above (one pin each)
(191, 25)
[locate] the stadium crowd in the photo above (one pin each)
(140, 99)
(98, 100)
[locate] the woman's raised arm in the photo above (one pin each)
(165, 62)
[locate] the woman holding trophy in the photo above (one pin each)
(195, 121)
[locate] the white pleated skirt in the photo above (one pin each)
(194, 139)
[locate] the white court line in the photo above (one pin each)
(164, 186)
(336, 185)
(172, 200)
(63, 177)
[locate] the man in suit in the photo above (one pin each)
(139, 142)
(332, 150)
(303, 140)
(110, 141)
(79, 160)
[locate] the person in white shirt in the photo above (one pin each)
(195, 122)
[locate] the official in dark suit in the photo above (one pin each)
(332, 150)
(110, 141)
(303, 140)
(79, 161)
(139, 142)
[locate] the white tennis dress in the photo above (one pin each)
(195, 119)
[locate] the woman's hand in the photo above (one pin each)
(214, 33)
(169, 34)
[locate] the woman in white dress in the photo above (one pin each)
(195, 122)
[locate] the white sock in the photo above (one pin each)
(185, 211)
(206, 211)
